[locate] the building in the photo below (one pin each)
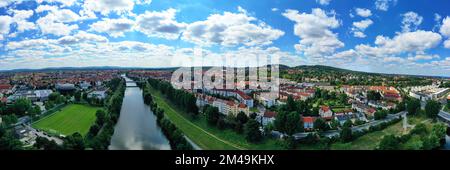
(267, 99)
(244, 98)
(85, 85)
(42, 95)
(308, 122)
(65, 87)
(325, 112)
(268, 117)
(98, 94)
(425, 93)
(382, 105)
(5, 88)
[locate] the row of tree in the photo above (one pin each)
(240, 123)
(173, 134)
(179, 97)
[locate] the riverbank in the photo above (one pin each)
(205, 136)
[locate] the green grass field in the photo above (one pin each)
(370, 140)
(205, 136)
(70, 119)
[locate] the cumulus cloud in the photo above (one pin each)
(363, 12)
(81, 36)
(20, 18)
(53, 24)
(231, 29)
(314, 31)
(423, 57)
(107, 6)
(445, 31)
(323, 2)
(417, 41)
(113, 27)
(359, 27)
(5, 23)
(160, 24)
(411, 21)
(383, 5)
(64, 3)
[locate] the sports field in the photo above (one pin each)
(70, 119)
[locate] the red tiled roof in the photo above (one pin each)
(4, 100)
(308, 119)
(241, 105)
(5, 86)
(325, 108)
(243, 95)
(270, 114)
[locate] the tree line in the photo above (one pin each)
(179, 97)
(173, 134)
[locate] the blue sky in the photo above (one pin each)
(388, 36)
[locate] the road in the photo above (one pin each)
(332, 133)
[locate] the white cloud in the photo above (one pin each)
(359, 27)
(231, 29)
(43, 8)
(81, 36)
(411, 21)
(445, 30)
(417, 41)
(323, 2)
(314, 30)
(113, 27)
(160, 24)
(65, 3)
(107, 6)
(20, 18)
(363, 12)
(383, 5)
(274, 9)
(5, 23)
(48, 25)
(423, 57)
(5, 3)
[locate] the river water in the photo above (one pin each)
(136, 128)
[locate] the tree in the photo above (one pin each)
(101, 117)
(8, 141)
(342, 98)
(77, 96)
(293, 123)
(412, 106)
(334, 124)
(44, 143)
(21, 106)
(346, 134)
(320, 124)
(252, 132)
(291, 105)
(212, 115)
(74, 142)
(348, 123)
(381, 114)
(432, 108)
(389, 142)
(241, 117)
(373, 95)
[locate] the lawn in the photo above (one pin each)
(70, 119)
(370, 140)
(205, 136)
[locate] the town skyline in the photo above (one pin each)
(379, 36)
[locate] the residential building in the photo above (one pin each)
(308, 122)
(325, 112)
(268, 117)
(98, 94)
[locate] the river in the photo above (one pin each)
(136, 128)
